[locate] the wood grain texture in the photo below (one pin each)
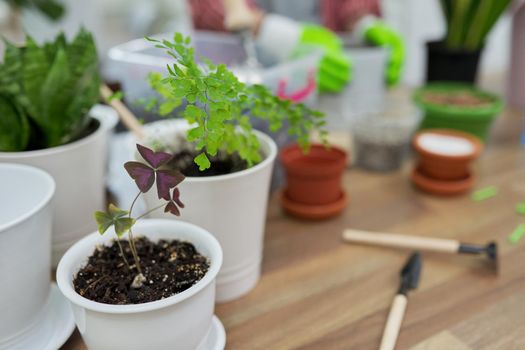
(317, 292)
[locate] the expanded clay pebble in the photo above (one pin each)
(380, 156)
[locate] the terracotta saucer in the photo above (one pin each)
(314, 212)
(441, 187)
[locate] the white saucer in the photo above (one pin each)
(216, 337)
(55, 328)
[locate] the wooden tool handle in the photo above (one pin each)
(130, 121)
(401, 241)
(393, 323)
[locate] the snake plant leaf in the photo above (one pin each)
(54, 85)
(14, 128)
(52, 9)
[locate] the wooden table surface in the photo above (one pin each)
(319, 293)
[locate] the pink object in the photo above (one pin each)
(516, 86)
(335, 14)
(299, 95)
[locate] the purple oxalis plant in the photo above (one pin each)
(155, 171)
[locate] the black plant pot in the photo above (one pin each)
(444, 64)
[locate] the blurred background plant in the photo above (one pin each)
(470, 21)
(47, 91)
(52, 9)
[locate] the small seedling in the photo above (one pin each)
(219, 106)
(154, 172)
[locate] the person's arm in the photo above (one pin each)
(342, 15)
(210, 14)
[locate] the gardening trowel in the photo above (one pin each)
(423, 243)
(409, 280)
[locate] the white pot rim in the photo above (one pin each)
(40, 204)
(182, 124)
(65, 147)
(71, 258)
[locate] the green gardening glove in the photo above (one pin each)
(335, 68)
(379, 33)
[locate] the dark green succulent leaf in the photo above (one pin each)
(54, 85)
(14, 128)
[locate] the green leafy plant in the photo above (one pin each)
(219, 106)
(470, 21)
(46, 92)
(154, 171)
(52, 9)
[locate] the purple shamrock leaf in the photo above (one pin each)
(166, 180)
(143, 175)
(175, 201)
(155, 159)
(172, 208)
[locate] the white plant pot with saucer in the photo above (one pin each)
(32, 312)
(184, 321)
(232, 207)
(78, 169)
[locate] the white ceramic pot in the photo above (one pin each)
(25, 250)
(179, 322)
(78, 169)
(232, 207)
(366, 91)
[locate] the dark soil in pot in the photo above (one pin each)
(170, 267)
(460, 98)
(221, 164)
(37, 137)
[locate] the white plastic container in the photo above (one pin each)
(180, 322)
(131, 62)
(232, 207)
(25, 251)
(365, 93)
(78, 169)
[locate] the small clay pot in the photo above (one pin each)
(446, 154)
(314, 180)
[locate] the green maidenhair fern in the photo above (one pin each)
(220, 106)
(470, 21)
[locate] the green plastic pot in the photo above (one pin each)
(474, 120)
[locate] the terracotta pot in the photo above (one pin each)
(314, 181)
(446, 154)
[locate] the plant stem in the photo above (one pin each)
(134, 251)
(150, 211)
(133, 203)
(122, 253)
(132, 246)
